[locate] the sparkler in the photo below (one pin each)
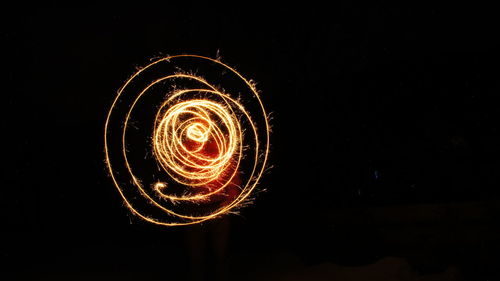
(183, 147)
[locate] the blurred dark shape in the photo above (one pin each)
(207, 244)
(387, 269)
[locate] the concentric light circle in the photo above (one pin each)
(186, 140)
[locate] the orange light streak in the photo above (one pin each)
(184, 130)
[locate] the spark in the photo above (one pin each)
(204, 140)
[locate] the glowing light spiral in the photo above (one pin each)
(183, 148)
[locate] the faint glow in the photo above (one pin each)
(200, 138)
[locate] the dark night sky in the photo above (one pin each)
(372, 107)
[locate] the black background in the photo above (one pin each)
(385, 140)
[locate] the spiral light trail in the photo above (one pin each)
(179, 149)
